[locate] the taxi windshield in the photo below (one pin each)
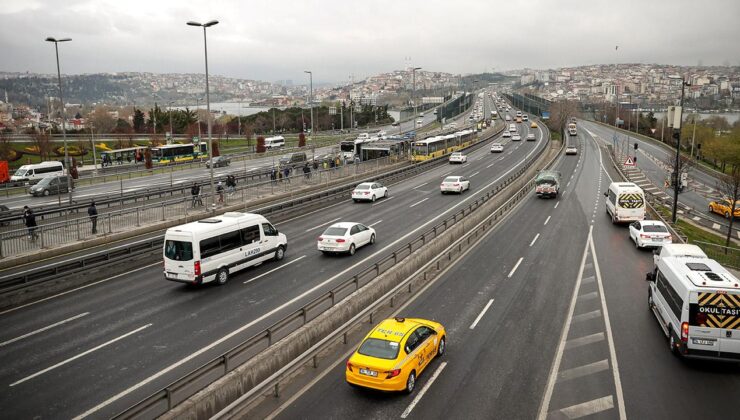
(381, 349)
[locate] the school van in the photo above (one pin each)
(274, 142)
(213, 249)
(33, 173)
(625, 202)
(697, 304)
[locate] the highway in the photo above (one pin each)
(99, 349)
(546, 318)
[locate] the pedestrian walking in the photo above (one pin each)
(195, 192)
(315, 165)
(273, 175)
(92, 211)
(306, 171)
(230, 184)
(286, 173)
(29, 219)
(220, 192)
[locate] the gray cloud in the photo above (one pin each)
(271, 40)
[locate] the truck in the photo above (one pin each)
(494, 115)
(572, 129)
(547, 184)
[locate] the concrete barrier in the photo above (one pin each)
(219, 394)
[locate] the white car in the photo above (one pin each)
(650, 233)
(369, 191)
(497, 148)
(571, 150)
(456, 184)
(507, 117)
(531, 137)
(345, 237)
(512, 128)
(458, 157)
(506, 134)
(516, 137)
(525, 117)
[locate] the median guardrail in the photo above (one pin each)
(166, 398)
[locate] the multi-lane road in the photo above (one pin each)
(546, 317)
(99, 349)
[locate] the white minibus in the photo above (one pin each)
(625, 202)
(274, 142)
(214, 248)
(34, 172)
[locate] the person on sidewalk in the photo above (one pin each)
(29, 219)
(92, 211)
(220, 192)
(195, 192)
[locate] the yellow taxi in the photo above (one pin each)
(395, 353)
(533, 125)
(724, 207)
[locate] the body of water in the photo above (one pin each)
(231, 108)
(731, 117)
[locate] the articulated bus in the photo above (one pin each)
(171, 153)
(352, 148)
(436, 146)
(123, 156)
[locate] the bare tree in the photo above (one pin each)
(685, 164)
(560, 113)
(729, 186)
(42, 144)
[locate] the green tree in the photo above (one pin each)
(139, 124)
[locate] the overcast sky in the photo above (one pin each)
(278, 39)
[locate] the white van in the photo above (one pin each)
(274, 142)
(33, 173)
(696, 302)
(625, 202)
(214, 248)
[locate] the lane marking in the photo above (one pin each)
(585, 370)
(588, 296)
(474, 174)
(511, 273)
(420, 185)
(290, 302)
(534, 240)
(588, 408)
(547, 220)
(323, 224)
(715, 225)
(384, 200)
(64, 362)
(480, 315)
(375, 223)
(582, 341)
(587, 316)
(556, 205)
(490, 165)
(419, 202)
(80, 288)
(423, 390)
(56, 324)
(275, 269)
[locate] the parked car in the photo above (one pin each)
(218, 161)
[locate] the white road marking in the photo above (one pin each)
(556, 205)
(323, 224)
(474, 174)
(62, 363)
(547, 220)
(423, 390)
(715, 226)
(581, 371)
(44, 329)
(586, 316)
(385, 199)
(513, 270)
(375, 223)
(588, 408)
(275, 269)
(534, 240)
(420, 185)
(582, 341)
(489, 165)
(480, 315)
(419, 202)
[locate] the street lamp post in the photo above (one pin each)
(169, 111)
(64, 114)
(413, 81)
(310, 97)
(208, 99)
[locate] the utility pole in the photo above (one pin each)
(273, 116)
(677, 135)
(413, 76)
(64, 115)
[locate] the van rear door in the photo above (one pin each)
(723, 312)
(703, 332)
(179, 261)
(630, 206)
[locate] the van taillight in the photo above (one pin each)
(685, 332)
(196, 268)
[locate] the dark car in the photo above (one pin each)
(5, 213)
(218, 162)
(294, 159)
(49, 185)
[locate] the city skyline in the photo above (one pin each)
(335, 41)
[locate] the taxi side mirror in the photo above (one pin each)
(650, 276)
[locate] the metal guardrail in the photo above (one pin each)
(163, 400)
(727, 256)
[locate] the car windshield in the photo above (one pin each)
(451, 179)
(45, 181)
(20, 172)
(335, 231)
(654, 228)
(178, 250)
(362, 187)
(382, 349)
(456, 154)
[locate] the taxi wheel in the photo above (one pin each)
(411, 382)
(442, 346)
(711, 209)
(352, 249)
(222, 277)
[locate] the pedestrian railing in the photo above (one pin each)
(725, 255)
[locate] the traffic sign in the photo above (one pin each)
(652, 130)
(629, 161)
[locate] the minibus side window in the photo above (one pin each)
(250, 234)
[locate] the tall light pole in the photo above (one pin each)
(239, 118)
(310, 97)
(169, 111)
(64, 114)
(208, 96)
(413, 78)
(154, 112)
